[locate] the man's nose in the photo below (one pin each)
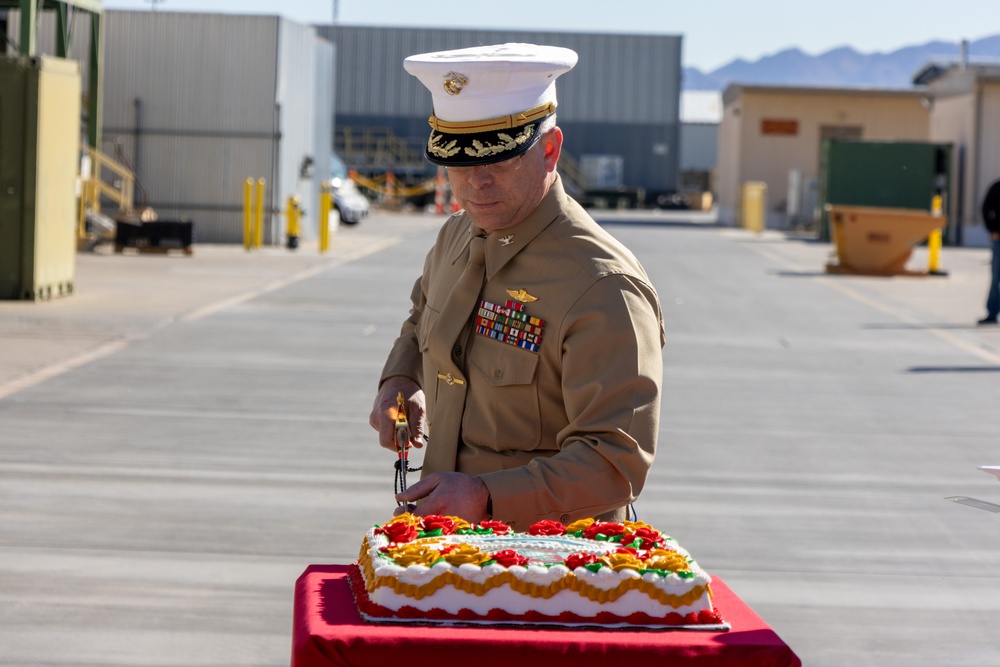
(481, 176)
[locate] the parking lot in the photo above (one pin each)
(185, 434)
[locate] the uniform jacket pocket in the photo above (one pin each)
(502, 410)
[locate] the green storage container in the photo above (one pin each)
(883, 174)
(39, 163)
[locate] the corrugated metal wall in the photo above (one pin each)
(623, 97)
(189, 98)
(298, 91)
(197, 103)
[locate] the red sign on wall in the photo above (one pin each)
(779, 126)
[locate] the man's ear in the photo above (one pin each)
(553, 147)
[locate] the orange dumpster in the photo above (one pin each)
(878, 241)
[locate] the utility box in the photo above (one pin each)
(883, 174)
(39, 162)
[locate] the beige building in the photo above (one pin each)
(772, 134)
(965, 102)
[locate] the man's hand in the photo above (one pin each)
(447, 493)
(383, 416)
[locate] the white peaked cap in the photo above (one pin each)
(500, 80)
(510, 87)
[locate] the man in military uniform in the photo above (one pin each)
(533, 347)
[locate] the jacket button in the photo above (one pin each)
(457, 351)
(564, 519)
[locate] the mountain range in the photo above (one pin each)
(841, 67)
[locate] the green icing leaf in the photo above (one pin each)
(662, 573)
(437, 532)
(594, 567)
(684, 574)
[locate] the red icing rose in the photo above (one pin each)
(498, 527)
(508, 558)
(579, 560)
(435, 521)
(398, 532)
(627, 550)
(650, 538)
(547, 527)
(605, 528)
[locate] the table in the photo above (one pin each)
(328, 631)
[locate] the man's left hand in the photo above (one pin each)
(449, 494)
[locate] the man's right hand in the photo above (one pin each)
(383, 416)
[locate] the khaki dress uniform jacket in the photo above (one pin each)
(567, 430)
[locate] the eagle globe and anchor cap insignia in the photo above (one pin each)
(454, 82)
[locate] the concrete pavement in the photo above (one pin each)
(185, 434)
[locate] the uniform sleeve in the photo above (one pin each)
(404, 357)
(612, 369)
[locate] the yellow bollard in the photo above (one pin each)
(293, 214)
(934, 252)
(325, 206)
(258, 240)
(754, 205)
(934, 240)
(248, 214)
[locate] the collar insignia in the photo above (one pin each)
(521, 295)
(506, 240)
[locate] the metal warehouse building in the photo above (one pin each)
(619, 107)
(196, 103)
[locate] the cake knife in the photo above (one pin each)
(403, 445)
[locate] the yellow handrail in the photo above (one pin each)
(94, 186)
(123, 194)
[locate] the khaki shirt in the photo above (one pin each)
(568, 429)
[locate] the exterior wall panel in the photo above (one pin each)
(769, 156)
(621, 83)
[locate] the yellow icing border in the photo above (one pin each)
(523, 587)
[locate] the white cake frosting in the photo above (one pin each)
(406, 572)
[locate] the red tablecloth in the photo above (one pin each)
(329, 631)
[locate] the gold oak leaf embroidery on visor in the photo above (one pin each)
(447, 150)
(507, 143)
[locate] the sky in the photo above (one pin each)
(715, 32)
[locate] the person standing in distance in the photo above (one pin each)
(533, 348)
(991, 218)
